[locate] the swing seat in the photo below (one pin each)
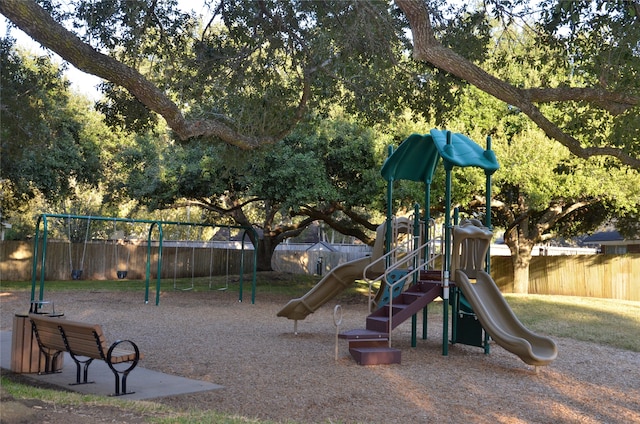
(121, 275)
(76, 274)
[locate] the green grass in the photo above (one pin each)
(604, 321)
(157, 412)
(266, 282)
(608, 322)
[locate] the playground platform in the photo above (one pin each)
(146, 384)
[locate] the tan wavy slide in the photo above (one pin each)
(338, 279)
(500, 322)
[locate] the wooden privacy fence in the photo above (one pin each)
(607, 276)
(101, 261)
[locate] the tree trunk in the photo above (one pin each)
(266, 247)
(521, 273)
(521, 247)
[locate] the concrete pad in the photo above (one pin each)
(145, 383)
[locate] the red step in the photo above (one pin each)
(376, 355)
(378, 323)
(362, 334)
(431, 275)
(404, 306)
(370, 346)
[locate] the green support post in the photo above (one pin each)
(417, 242)
(35, 260)
(424, 323)
(488, 195)
(455, 294)
(428, 236)
(388, 232)
(447, 254)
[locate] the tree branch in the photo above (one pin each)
(428, 49)
(614, 103)
(39, 25)
(556, 212)
(326, 216)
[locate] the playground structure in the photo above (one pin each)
(470, 245)
(335, 282)
(154, 250)
(406, 273)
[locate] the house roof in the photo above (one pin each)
(603, 236)
(609, 238)
(321, 245)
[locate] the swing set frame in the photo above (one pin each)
(40, 255)
(210, 246)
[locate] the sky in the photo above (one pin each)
(81, 82)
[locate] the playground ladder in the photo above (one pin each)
(371, 346)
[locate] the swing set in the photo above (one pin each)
(153, 227)
(186, 264)
(76, 273)
(118, 243)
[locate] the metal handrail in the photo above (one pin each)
(404, 280)
(416, 255)
(419, 264)
(396, 265)
(412, 255)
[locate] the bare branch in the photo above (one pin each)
(614, 103)
(557, 212)
(327, 216)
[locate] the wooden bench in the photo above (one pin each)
(84, 342)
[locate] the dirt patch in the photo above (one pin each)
(270, 373)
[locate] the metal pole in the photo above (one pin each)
(455, 293)
(387, 244)
(158, 279)
(488, 224)
(488, 208)
(416, 265)
(241, 267)
(35, 260)
(427, 238)
(148, 265)
(447, 255)
(44, 257)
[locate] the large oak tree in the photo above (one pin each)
(281, 59)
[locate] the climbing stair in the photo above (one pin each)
(370, 346)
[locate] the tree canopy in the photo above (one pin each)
(252, 70)
(50, 140)
(328, 171)
(543, 193)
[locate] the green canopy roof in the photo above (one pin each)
(417, 157)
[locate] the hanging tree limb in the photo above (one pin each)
(428, 49)
(39, 25)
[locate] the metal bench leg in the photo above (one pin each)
(122, 383)
(50, 362)
(85, 370)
